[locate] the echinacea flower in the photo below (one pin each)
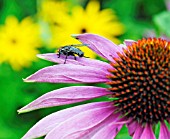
(19, 42)
(139, 80)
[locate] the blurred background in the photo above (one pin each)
(30, 27)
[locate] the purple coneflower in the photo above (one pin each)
(139, 80)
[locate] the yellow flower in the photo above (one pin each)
(91, 20)
(52, 11)
(18, 42)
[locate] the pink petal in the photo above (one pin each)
(129, 42)
(67, 95)
(69, 73)
(147, 132)
(51, 121)
(123, 46)
(80, 122)
(79, 61)
(164, 132)
(102, 46)
(132, 127)
(138, 132)
(89, 133)
(108, 132)
(167, 2)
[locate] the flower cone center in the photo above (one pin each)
(140, 81)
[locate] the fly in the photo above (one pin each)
(71, 50)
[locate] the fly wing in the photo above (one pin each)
(78, 45)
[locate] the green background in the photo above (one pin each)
(138, 16)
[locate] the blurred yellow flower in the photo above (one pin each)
(79, 20)
(18, 42)
(52, 11)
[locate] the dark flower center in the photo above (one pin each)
(140, 81)
(55, 23)
(13, 41)
(83, 30)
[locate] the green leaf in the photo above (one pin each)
(123, 134)
(162, 22)
(157, 129)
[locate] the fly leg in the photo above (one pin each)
(74, 57)
(59, 55)
(66, 58)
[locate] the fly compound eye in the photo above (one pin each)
(81, 55)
